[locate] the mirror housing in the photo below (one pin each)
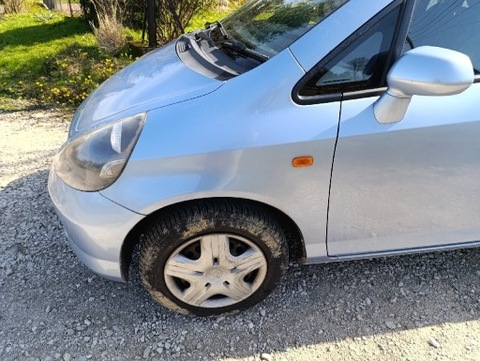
(425, 70)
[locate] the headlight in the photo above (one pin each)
(95, 160)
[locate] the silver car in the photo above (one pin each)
(292, 131)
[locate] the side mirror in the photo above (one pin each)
(425, 70)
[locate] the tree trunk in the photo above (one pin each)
(152, 24)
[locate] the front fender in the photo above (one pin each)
(149, 185)
(230, 146)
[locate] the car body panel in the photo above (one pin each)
(159, 78)
(224, 148)
(409, 184)
(85, 216)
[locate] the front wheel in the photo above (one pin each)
(213, 258)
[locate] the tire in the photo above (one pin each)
(213, 258)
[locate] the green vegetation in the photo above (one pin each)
(198, 21)
(50, 58)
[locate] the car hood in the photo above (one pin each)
(157, 79)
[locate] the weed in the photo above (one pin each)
(44, 16)
(73, 74)
(109, 32)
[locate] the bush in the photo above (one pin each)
(13, 6)
(109, 32)
(72, 75)
(173, 16)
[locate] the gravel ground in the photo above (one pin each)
(424, 307)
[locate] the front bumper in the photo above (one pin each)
(95, 226)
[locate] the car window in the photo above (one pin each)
(270, 26)
(359, 66)
(356, 66)
(452, 24)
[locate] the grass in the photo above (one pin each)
(48, 57)
(51, 58)
(25, 43)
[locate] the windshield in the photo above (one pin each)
(270, 26)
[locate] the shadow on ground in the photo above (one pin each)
(51, 305)
(44, 32)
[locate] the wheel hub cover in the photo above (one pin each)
(216, 272)
(216, 277)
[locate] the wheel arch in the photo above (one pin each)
(296, 244)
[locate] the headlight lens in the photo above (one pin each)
(95, 160)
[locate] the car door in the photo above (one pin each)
(411, 184)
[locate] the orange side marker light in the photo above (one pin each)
(305, 161)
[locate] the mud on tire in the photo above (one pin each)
(213, 257)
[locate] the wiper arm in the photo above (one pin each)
(235, 45)
(240, 48)
(201, 35)
(220, 27)
(205, 35)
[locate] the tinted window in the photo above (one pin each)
(452, 24)
(359, 66)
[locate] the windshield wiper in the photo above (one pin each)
(240, 48)
(220, 27)
(234, 45)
